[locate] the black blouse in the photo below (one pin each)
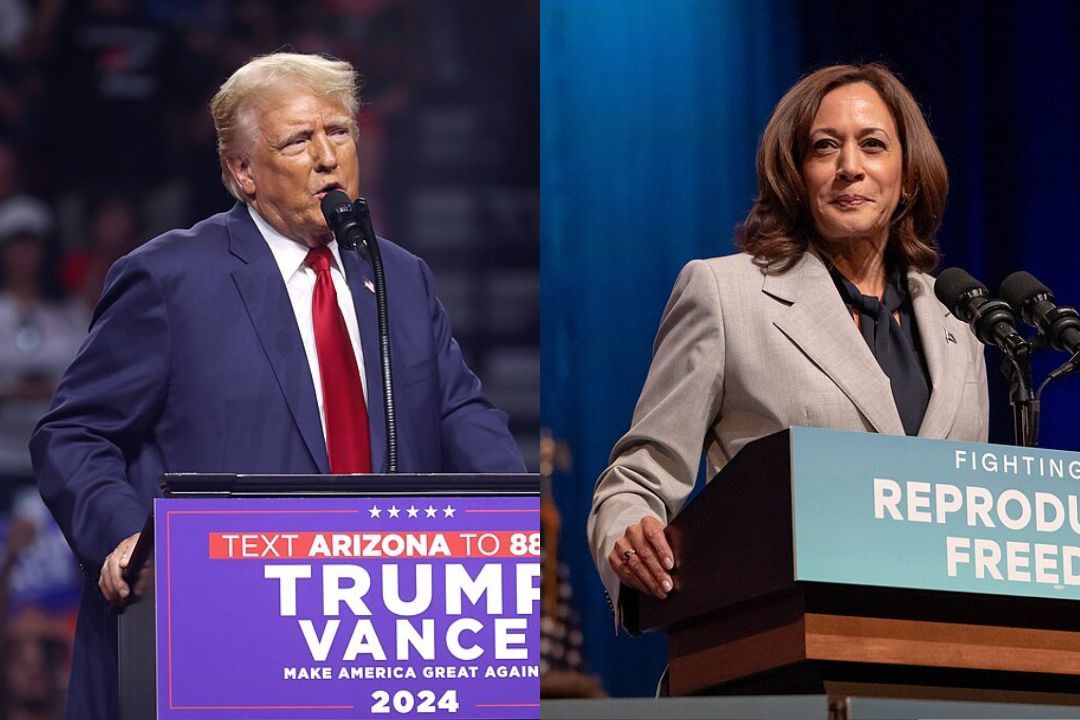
(896, 346)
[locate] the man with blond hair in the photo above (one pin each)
(247, 344)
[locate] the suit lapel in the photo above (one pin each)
(946, 371)
(359, 275)
(817, 322)
(267, 302)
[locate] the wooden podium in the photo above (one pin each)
(741, 621)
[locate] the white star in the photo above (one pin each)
(448, 511)
(375, 512)
(413, 510)
(430, 511)
(393, 511)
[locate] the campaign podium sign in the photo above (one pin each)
(865, 564)
(390, 604)
(935, 514)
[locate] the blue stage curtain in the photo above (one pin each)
(650, 115)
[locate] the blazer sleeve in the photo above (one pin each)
(475, 434)
(102, 414)
(654, 466)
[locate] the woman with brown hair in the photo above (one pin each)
(827, 318)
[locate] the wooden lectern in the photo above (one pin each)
(740, 622)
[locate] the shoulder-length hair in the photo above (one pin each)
(779, 227)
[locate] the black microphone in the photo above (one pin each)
(992, 321)
(341, 217)
(1034, 303)
(351, 223)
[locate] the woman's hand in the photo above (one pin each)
(642, 557)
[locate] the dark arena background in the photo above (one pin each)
(106, 140)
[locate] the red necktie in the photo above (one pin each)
(347, 442)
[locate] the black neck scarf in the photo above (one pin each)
(895, 345)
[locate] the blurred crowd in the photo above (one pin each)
(105, 141)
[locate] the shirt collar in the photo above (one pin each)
(289, 254)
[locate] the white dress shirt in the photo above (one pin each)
(300, 283)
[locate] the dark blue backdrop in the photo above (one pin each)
(650, 115)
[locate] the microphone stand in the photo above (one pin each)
(1067, 368)
(1024, 401)
(371, 244)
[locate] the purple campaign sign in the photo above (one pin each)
(387, 607)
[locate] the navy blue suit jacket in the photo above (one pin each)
(194, 363)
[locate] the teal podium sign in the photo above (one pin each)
(903, 512)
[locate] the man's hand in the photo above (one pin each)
(111, 582)
(642, 556)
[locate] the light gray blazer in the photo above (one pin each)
(740, 355)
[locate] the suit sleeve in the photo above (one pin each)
(475, 435)
(103, 413)
(655, 464)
